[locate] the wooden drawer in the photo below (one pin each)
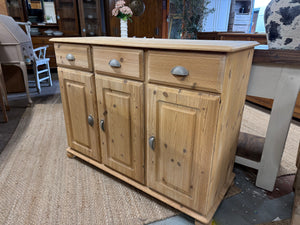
(205, 70)
(79, 56)
(121, 62)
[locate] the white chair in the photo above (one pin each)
(39, 59)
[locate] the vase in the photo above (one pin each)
(124, 28)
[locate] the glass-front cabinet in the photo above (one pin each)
(90, 17)
(15, 9)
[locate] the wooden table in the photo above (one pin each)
(275, 74)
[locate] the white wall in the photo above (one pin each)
(218, 21)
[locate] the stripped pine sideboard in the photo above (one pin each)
(162, 115)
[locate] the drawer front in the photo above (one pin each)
(120, 62)
(200, 70)
(74, 56)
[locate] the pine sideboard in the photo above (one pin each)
(162, 115)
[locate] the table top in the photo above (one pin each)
(262, 54)
(157, 43)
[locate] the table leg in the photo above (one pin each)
(3, 95)
(281, 114)
(25, 76)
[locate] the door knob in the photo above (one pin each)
(91, 120)
(70, 57)
(152, 142)
(102, 125)
(179, 71)
(114, 63)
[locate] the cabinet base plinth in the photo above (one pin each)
(200, 223)
(70, 155)
(199, 219)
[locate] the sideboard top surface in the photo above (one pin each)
(171, 44)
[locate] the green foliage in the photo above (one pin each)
(124, 16)
(192, 13)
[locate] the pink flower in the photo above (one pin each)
(126, 10)
(120, 4)
(115, 11)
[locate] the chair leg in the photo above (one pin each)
(3, 95)
(37, 78)
(3, 89)
(25, 76)
(49, 74)
(3, 109)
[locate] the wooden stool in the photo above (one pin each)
(296, 209)
(3, 96)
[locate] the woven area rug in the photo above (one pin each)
(256, 122)
(40, 185)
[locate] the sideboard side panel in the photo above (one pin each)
(237, 73)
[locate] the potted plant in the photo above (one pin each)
(191, 13)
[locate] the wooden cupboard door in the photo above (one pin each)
(67, 17)
(141, 26)
(80, 111)
(183, 126)
(121, 114)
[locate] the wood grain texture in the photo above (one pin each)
(121, 107)
(261, 38)
(82, 54)
(3, 9)
(236, 78)
(183, 124)
(68, 21)
(205, 70)
(131, 60)
(79, 101)
(175, 44)
(266, 102)
(195, 132)
(13, 79)
(278, 56)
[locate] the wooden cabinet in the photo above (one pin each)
(179, 147)
(149, 24)
(91, 17)
(67, 17)
(183, 126)
(15, 9)
(121, 113)
(80, 111)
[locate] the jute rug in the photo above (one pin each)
(40, 185)
(256, 122)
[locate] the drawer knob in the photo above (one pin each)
(152, 142)
(179, 71)
(91, 120)
(102, 125)
(70, 57)
(114, 63)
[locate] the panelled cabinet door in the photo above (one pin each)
(80, 111)
(121, 114)
(67, 17)
(181, 128)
